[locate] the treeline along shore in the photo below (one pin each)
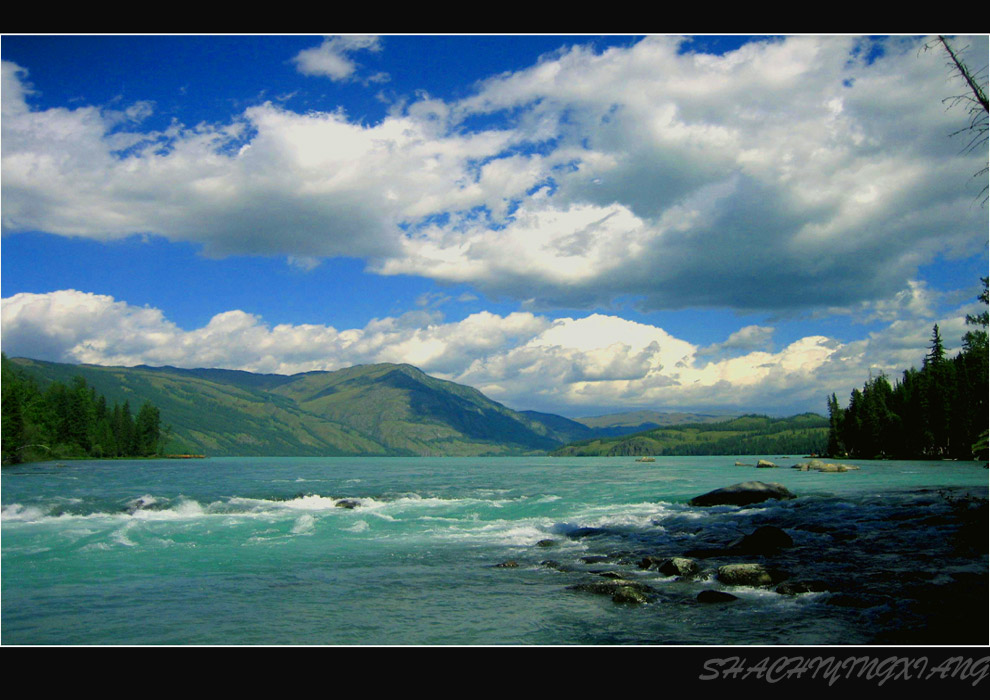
(937, 412)
(72, 422)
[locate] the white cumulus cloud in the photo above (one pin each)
(790, 174)
(332, 57)
(565, 365)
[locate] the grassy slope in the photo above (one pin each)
(367, 410)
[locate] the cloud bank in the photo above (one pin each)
(567, 365)
(794, 174)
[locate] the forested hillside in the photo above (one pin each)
(71, 420)
(746, 435)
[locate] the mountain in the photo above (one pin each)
(383, 409)
(617, 424)
(748, 434)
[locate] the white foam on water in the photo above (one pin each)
(520, 533)
(359, 526)
(15, 512)
(120, 536)
(99, 546)
(143, 501)
(309, 502)
(184, 509)
(304, 525)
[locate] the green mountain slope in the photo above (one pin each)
(366, 410)
(749, 434)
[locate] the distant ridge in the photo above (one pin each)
(617, 424)
(743, 435)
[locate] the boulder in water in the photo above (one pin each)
(748, 575)
(671, 566)
(742, 494)
(710, 596)
(620, 590)
(767, 539)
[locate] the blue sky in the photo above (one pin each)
(570, 224)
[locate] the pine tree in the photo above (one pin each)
(937, 352)
(835, 446)
(147, 430)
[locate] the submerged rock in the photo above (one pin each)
(511, 564)
(748, 575)
(348, 503)
(710, 596)
(819, 466)
(597, 559)
(797, 587)
(582, 532)
(742, 494)
(617, 575)
(767, 539)
(546, 543)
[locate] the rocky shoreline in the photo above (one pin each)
(911, 567)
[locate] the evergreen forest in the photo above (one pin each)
(71, 421)
(936, 412)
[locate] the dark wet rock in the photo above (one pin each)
(621, 591)
(710, 596)
(651, 562)
(798, 587)
(972, 535)
(628, 594)
(556, 565)
(748, 575)
(742, 494)
(510, 564)
(767, 539)
(708, 552)
(136, 505)
(583, 532)
(678, 566)
(348, 503)
(618, 575)
(546, 543)
(597, 559)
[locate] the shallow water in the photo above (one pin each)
(256, 551)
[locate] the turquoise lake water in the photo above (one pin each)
(256, 551)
